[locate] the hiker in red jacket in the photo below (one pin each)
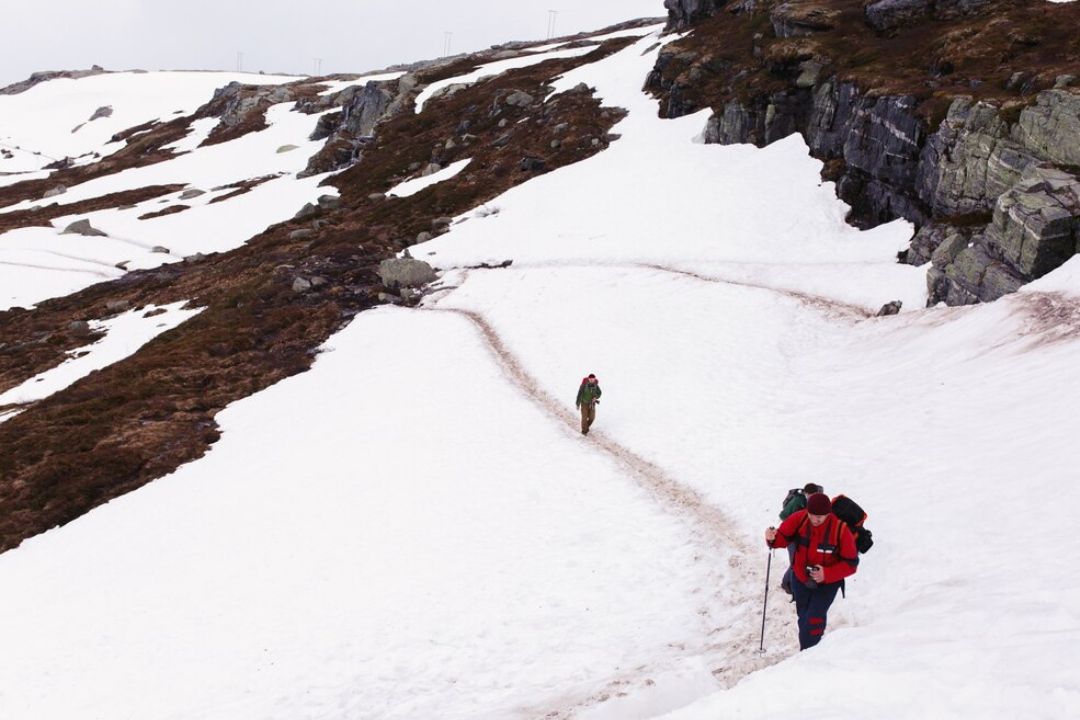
(588, 395)
(825, 554)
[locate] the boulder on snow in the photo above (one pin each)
(192, 193)
(405, 272)
(287, 148)
(82, 227)
(891, 308)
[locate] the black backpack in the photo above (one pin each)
(853, 516)
(791, 494)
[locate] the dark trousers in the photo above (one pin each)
(588, 415)
(812, 606)
(785, 581)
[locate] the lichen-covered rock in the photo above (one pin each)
(970, 160)
(1036, 223)
(1052, 126)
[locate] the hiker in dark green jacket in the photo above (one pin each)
(588, 395)
(795, 501)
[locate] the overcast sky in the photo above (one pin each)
(278, 35)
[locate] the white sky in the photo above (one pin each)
(278, 35)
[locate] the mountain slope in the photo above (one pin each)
(414, 527)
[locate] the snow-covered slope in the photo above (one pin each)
(37, 263)
(415, 528)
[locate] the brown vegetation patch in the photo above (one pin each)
(145, 148)
(170, 210)
(736, 56)
(140, 418)
(241, 187)
(43, 216)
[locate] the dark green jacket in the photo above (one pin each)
(588, 393)
(797, 502)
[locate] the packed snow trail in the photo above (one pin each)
(734, 647)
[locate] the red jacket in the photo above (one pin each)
(830, 545)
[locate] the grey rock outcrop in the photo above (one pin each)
(683, 12)
(405, 272)
(102, 112)
(40, 77)
(969, 161)
(1052, 127)
(794, 19)
(888, 14)
(519, 98)
(992, 210)
(191, 193)
(350, 129)
(1036, 222)
(83, 227)
(53, 192)
(329, 202)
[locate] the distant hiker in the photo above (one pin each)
(588, 395)
(795, 500)
(825, 554)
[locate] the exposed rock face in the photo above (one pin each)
(102, 112)
(1052, 127)
(350, 129)
(405, 272)
(1036, 221)
(991, 188)
(40, 77)
(888, 14)
(794, 19)
(683, 12)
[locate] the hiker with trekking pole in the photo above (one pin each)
(825, 554)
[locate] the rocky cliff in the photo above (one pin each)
(962, 116)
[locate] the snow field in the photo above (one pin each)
(469, 557)
(35, 266)
(42, 118)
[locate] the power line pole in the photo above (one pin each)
(318, 67)
(239, 61)
(446, 43)
(552, 17)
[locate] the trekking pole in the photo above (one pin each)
(768, 569)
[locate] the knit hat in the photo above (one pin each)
(818, 504)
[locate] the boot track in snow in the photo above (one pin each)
(728, 646)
